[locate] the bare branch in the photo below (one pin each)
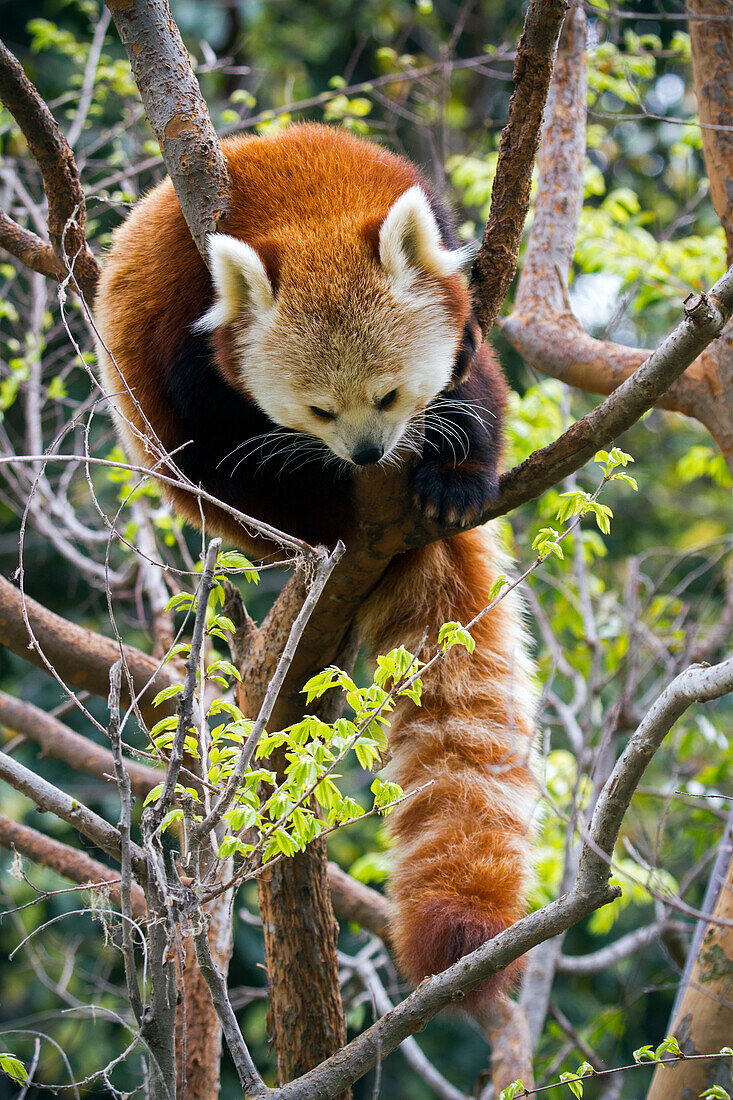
(62, 743)
(30, 249)
(52, 800)
(177, 113)
(49, 147)
(69, 862)
(606, 957)
(496, 261)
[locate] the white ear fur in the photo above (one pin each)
(410, 241)
(239, 278)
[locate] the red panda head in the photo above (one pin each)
(341, 337)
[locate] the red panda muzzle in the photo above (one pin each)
(335, 250)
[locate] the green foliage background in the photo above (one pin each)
(648, 234)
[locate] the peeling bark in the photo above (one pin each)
(542, 327)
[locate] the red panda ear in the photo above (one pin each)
(241, 281)
(410, 241)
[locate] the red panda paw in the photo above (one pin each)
(455, 494)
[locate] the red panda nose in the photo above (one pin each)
(365, 456)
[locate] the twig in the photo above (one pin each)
(323, 572)
(49, 147)
(185, 709)
(124, 824)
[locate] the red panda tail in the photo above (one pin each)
(462, 855)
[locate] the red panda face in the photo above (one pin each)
(350, 349)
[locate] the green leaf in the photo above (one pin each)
(585, 1069)
(13, 1067)
(183, 599)
(179, 647)
(497, 586)
(515, 1089)
(645, 1054)
(223, 666)
(167, 693)
(717, 1092)
(163, 726)
(153, 795)
(669, 1046)
(451, 634)
(232, 559)
(223, 706)
(571, 1080)
(173, 817)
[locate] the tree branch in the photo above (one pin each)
(50, 799)
(177, 113)
(81, 657)
(590, 891)
(496, 260)
(69, 862)
(29, 248)
(55, 159)
(541, 326)
(61, 743)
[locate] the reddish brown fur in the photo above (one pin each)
(462, 855)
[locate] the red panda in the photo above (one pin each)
(333, 331)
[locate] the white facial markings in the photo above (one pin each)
(391, 332)
(410, 242)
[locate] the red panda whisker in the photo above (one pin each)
(353, 295)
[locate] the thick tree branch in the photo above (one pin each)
(30, 249)
(541, 326)
(50, 799)
(81, 657)
(52, 153)
(496, 261)
(177, 113)
(591, 890)
(69, 862)
(62, 743)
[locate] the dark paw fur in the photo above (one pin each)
(453, 494)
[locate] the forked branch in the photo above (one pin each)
(55, 159)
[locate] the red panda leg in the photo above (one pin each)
(462, 854)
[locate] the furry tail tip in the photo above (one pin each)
(438, 932)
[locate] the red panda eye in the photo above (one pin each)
(388, 400)
(322, 414)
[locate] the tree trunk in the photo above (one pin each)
(703, 1022)
(300, 928)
